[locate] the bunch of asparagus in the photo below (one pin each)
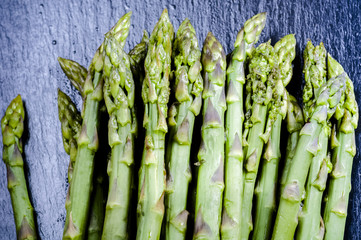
(149, 196)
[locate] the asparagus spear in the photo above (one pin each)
(119, 100)
(138, 53)
(188, 87)
(267, 185)
(295, 122)
(315, 75)
(100, 181)
(75, 72)
(310, 226)
(155, 94)
(260, 88)
(246, 38)
(344, 149)
(210, 183)
(314, 58)
(327, 101)
(136, 58)
(12, 127)
(88, 141)
(310, 220)
(70, 120)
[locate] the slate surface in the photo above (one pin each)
(34, 33)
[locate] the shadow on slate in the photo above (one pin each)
(33, 34)
(25, 139)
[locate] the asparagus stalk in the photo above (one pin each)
(138, 53)
(314, 58)
(100, 181)
(119, 100)
(136, 58)
(246, 38)
(70, 120)
(295, 122)
(260, 88)
(210, 183)
(315, 75)
(88, 141)
(326, 102)
(266, 189)
(310, 226)
(155, 94)
(188, 88)
(12, 127)
(310, 220)
(75, 72)
(344, 149)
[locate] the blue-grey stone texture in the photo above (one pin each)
(34, 33)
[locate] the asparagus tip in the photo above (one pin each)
(334, 68)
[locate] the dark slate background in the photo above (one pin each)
(33, 35)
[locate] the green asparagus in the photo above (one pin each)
(246, 38)
(260, 87)
(266, 189)
(88, 141)
(155, 94)
(210, 182)
(315, 75)
(75, 72)
(344, 149)
(12, 127)
(136, 57)
(99, 193)
(326, 102)
(188, 87)
(138, 53)
(295, 122)
(119, 100)
(70, 120)
(310, 221)
(310, 225)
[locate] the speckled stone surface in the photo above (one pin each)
(34, 33)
